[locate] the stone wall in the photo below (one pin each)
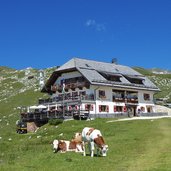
(164, 109)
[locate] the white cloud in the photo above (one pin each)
(90, 23)
(100, 27)
(97, 26)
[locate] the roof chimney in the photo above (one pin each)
(114, 61)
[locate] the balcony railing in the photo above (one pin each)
(130, 99)
(66, 98)
(116, 99)
(71, 86)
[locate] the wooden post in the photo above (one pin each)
(63, 112)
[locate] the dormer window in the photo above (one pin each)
(111, 76)
(134, 79)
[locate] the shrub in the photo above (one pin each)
(55, 121)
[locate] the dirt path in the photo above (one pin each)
(139, 118)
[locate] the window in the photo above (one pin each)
(149, 109)
(146, 97)
(102, 94)
(103, 108)
(89, 107)
(142, 109)
(118, 108)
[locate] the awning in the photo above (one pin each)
(42, 107)
(38, 107)
(33, 107)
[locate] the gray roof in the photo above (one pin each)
(91, 71)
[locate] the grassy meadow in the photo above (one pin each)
(142, 145)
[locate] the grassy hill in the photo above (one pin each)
(163, 81)
(133, 145)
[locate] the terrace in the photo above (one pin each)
(42, 115)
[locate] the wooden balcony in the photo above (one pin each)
(71, 86)
(55, 88)
(115, 99)
(75, 85)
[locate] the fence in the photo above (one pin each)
(45, 116)
(121, 115)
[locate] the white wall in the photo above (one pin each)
(108, 99)
(108, 94)
(68, 75)
(141, 97)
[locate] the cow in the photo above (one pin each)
(94, 139)
(64, 146)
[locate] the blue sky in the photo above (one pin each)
(46, 33)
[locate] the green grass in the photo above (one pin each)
(133, 146)
(162, 81)
(143, 71)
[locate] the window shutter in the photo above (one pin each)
(86, 107)
(92, 107)
(70, 108)
(124, 109)
(114, 108)
(76, 107)
(107, 108)
(100, 108)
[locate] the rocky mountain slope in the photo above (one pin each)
(162, 79)
(15, 82)
(18, 88)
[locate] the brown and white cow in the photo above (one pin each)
(94, 139)
(64, 146)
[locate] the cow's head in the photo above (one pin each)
(77, 137)
(101, 145)
(55, 146)
(104, 150)
(62, 146)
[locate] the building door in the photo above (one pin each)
(132, 110)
